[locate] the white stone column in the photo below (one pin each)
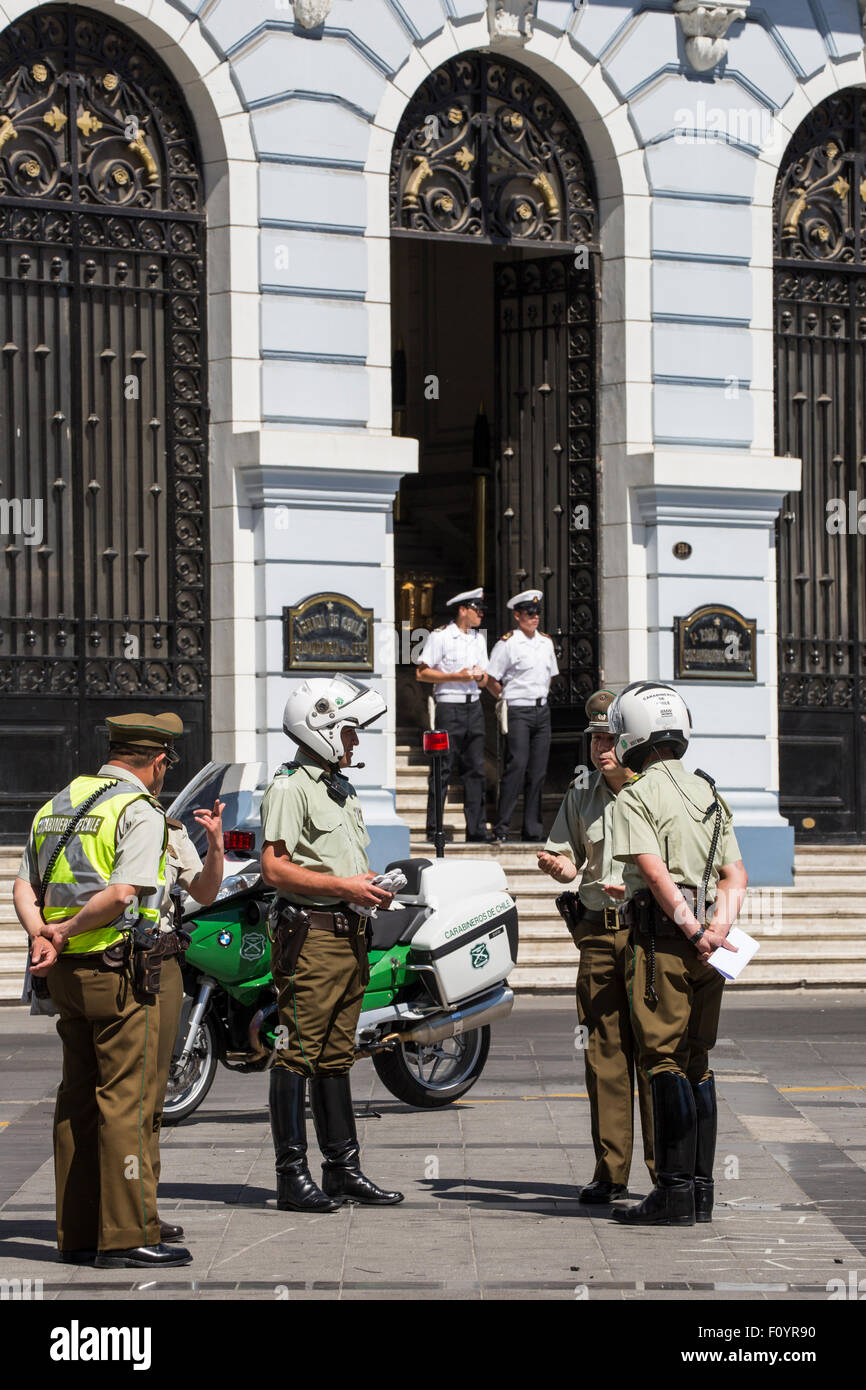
(321, 509)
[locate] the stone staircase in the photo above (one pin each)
(813, 933)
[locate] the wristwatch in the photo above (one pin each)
(697, 936)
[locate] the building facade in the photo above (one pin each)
(379, 299)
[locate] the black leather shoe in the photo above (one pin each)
(342, 1179)
(672, 1200)
(169, 1235)
(485, 839)
(296, 1190)
(76, 1257)
(143, 1257)
(705, 1148)
(602, 1193)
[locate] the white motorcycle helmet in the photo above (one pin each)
(317, 710)
(645, 715)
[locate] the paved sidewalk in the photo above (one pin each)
(490, 1184)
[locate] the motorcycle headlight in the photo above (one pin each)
(236, 883)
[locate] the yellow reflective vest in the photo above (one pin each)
(85, 864)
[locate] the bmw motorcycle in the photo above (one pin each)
(439, 963)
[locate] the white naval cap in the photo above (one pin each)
(470, 596)
(528, 596)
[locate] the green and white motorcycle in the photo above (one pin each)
(439, 964)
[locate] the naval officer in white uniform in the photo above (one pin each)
(522, 665)
(454, 661)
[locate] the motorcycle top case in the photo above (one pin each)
(470, 939)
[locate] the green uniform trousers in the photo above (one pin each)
(610, 1054)
(170, 1005)
(320, 1003)
(676, 1033)
(103, 1119)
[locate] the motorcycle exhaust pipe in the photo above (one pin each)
(446, 1025)
(257, 1047)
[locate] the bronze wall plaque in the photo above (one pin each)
(327, 632)
(715, 643)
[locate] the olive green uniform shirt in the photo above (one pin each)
(140, 838)
(318, 833)
(182, 865)
(582, 831)
(654, 814)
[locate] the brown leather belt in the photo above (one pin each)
(343, 921)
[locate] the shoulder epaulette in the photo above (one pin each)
(547, 635)
(440, 629)
(174, 824)
(505, 636)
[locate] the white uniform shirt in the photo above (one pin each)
(525, 666)
(450, 649)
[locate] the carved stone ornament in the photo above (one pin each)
(511, 19)
(311, 13)
(705, 27)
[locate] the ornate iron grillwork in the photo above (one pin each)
(102, 381)
(820, 325)
(487, 150)
(545, 494)
(820, 201)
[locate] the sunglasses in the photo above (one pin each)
(476, 607)
(531, 610)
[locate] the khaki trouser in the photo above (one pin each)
(610, 1054)
(320, 1004)
(103, 1119)
(677, 1033)
(170, 1005)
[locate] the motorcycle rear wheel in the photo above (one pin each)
(430, 1075)
(186, 1093)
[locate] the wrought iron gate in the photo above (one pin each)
(545, 475)
(487, 152)
(104, 604)
(820, 326)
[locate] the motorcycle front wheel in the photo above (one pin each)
(186, 1091)
(429, 1075)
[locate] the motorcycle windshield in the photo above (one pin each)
(240, 785)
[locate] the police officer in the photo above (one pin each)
(97, 846)
(184, 869)
(314, 854)
(522, 665)
(454, 661)
(581, 834)
(685, 882)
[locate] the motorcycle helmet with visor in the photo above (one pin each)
(644, 716)
(317, 710)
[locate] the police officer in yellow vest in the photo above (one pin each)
(98, 847)
(314, 853)
(685, 882)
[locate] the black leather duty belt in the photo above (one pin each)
(605, 916)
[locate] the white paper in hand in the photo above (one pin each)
(732, 965)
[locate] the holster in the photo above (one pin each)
(147, 958)
(568, 907)
(287, 927)
(643, 913)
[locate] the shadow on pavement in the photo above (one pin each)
(552, 1198)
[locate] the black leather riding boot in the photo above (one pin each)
(342, 1179)
(705, 1150)
(296, 1190)
(672, 1200)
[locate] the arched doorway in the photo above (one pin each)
(820, 337)
(494, 280)
(103, 401)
